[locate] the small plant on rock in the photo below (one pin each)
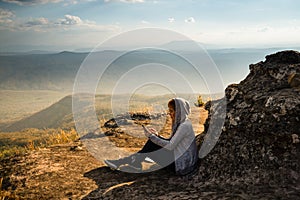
(199, 102)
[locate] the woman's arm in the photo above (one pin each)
(172, 143)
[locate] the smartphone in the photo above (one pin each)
(145, 128)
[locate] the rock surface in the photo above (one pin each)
(259, 140)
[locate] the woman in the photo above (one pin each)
(177, 153)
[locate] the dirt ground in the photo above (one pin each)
(69, 171)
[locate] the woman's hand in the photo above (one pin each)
(150, 131)
(153, 131)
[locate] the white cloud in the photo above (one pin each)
(43, 24)
(190, 20)
(6, 18)
(70, 20)
(38, 2)
(74, 2)
(126, 1)
(258, 35)
(71, 2)
(37, 22)
(6, 13)
(145, 22)
(132, 1)
(171, 19)
(264, 29)
(31, 2)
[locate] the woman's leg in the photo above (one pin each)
(149, 147)
(160, 155)
(135, 159)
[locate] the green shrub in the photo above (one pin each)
(199, 102)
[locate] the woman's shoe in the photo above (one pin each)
(131, 161)
(113, 164)
(135, 164)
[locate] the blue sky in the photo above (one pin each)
(74, 24)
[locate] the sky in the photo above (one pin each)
(77, 24)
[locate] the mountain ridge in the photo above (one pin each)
(57, 71)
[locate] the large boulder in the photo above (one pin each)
(260, 136)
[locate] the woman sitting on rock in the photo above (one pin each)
(177, 153)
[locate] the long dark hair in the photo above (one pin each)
(171, 104)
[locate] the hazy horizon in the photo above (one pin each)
(44, 71)
(50, 49)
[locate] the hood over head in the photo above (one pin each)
(182, 110)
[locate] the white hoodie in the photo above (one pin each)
(182, 140)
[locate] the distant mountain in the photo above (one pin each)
(60, 115)
(51, 117)
(186, 45)
(26, 53)
(39, 70)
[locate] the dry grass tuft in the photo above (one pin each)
(19, 143)
(10, 151)
(62, 137)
